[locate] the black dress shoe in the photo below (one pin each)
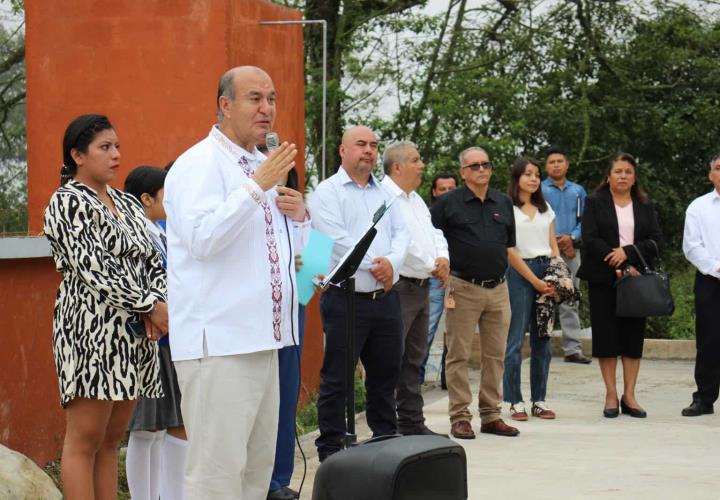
(633, 412)
(422, 432)
(611, 412)
(283, 493)
(696, 409)
(323, 454)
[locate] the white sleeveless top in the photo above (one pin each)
(532, 236)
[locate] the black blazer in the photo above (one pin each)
(600, 235)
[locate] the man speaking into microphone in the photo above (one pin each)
(231, 288)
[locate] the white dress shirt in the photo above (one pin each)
(701, 237)
(532, 236)
(343, 210)
(427, 243)
(225, 294)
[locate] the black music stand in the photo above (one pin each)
(343, 276)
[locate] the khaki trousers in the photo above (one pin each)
(488, 309)
(230, 407)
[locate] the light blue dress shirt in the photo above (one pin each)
(568, 203)
(343, 210)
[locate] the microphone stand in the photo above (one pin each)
(350, 436)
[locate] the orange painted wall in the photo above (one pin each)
(30, 417)
(152, 67)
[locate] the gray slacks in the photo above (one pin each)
(569, 314)
(414, 303)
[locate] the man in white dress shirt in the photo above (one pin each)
(427, 256)
(343, 207)
(701, 245)
(231, 287)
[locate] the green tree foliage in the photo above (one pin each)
(13, 164)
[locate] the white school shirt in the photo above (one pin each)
(427, 243)
(221, 267)
(343, 210)
(701, 237)
(532, 236)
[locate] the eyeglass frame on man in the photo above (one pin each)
(486, 165)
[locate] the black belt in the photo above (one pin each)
(418, 281)
(479, 282)
(374, 295)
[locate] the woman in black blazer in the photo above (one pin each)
(617, 216)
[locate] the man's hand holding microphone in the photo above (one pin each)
(274, 172)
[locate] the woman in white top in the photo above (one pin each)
(535, 245)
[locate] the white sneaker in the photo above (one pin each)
(541, 410)
(517, 412)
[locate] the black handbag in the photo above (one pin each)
(645, 295)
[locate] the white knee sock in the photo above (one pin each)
(142, 464)
(174, 451)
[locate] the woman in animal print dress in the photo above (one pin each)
(112, 280)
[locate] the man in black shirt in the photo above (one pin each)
(479, 226)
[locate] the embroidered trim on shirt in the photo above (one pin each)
(273, 256)
(252, 194)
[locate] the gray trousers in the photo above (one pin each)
(569, 314)
(415, 306)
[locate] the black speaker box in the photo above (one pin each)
(395, 468)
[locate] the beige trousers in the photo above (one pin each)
(230, 407)
(488, 309)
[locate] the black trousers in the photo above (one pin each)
(707, 338)
(378, 343)
(414, 302)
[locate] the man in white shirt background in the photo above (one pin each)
(231, 287)
(342, 207)
(427, 257)
(701, 245)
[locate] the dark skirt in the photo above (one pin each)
(161, 413)
(613, 336)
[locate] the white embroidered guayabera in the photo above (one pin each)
(273, 256)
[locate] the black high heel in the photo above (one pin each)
(611, 412)
(633, 412)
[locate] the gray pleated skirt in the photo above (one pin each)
(157, 414)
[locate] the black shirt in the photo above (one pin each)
(478, 232)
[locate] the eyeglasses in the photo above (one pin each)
(486, 165)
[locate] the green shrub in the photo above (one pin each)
(307, 417)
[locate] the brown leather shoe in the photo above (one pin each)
(578, 358)
(499, 428)
(462, 429)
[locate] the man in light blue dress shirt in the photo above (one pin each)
(343, 207)
(567, 200)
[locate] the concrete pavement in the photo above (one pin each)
(582, 454)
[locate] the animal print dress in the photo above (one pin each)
(111, 271)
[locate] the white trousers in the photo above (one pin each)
(230, 407)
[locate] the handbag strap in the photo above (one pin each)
(657, 250)
(637, 250)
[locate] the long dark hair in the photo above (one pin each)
(636, 192)
(518, 169)
(145, 179)
(78, 136)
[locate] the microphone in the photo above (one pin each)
(272, 142)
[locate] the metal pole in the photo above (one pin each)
(323, 22)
